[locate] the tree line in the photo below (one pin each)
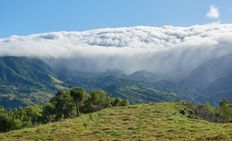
(220, 114)
(65, 104)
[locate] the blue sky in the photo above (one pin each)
(22, 17)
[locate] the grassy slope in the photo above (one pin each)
(160, 121)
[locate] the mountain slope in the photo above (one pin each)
(138, 87)
(24, 81)
(220, 89)
(212, 79)
(30, 71)
(159, 121)
(209, 72)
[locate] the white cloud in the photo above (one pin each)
(169, 51)
(213, 12)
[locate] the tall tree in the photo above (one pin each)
(34, 112)
(63, 104)
(78, 96)
(224, 103)
(225, 110)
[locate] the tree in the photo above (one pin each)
(225, 111)
(78, 96)
(6, 122)
(20, 113)
(63, 104)
(21, 118)
(205, 111)
(34, 112)
(48, 113)
(224, 103)
(124, 102)
(97, 100)
(119, 102)
(115, 102)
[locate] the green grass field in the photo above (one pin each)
(158, 121)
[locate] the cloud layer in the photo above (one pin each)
(169, 51)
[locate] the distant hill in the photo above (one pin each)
(159, 121)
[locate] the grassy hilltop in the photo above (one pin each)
(159, 121)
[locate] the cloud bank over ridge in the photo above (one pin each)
(169, 51)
